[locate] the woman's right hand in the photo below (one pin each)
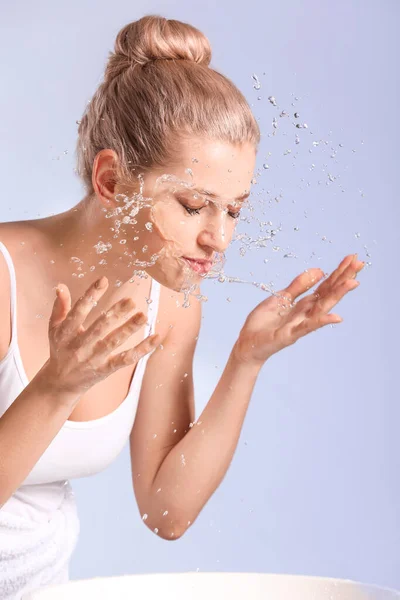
(79, 357)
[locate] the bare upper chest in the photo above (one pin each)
(35, 297)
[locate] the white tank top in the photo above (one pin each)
(80, 448)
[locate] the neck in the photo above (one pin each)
(73, 238)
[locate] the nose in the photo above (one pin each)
(216, 234)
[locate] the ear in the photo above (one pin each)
(104, 176)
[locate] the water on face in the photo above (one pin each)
(127, 211)
(253, 232)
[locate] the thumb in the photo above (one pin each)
(61, 306)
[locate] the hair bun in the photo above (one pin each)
(154, 38)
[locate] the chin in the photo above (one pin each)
(174, 276)
(184, 283)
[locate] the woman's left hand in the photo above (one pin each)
(279, 321)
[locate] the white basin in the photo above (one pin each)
(213, 586)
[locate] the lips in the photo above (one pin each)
(201, 266)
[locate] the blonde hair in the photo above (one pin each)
(157, 89)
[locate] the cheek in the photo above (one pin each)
(172, 224)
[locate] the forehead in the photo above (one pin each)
(220, 168)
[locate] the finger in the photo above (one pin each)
(325, 304)
(333, 277)
(310, 325)
(313, 305)
(345, 268)
(118, 336)
(106, 321)
(61, 306)
(348, 268)
(132, 356)
(302, 283)
(82, 307)
(351, 271)
(314, 315)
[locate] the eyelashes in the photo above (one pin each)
(196, 211)
(191, 211)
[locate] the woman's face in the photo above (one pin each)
(178, 222)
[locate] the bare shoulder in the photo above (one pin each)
(19, 237)
(174, 316)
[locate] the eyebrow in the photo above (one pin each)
(212, 195)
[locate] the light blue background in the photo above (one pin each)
(314, 485)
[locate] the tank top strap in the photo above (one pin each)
(13, 293)
(153, 306)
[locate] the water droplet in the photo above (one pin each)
(272, 100)
(257, 84)
(102, 247)
(265, 166)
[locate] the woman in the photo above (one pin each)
(166, 150)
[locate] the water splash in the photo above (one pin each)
(257, 84)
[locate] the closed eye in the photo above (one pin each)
(196, 211)
(192, 211)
